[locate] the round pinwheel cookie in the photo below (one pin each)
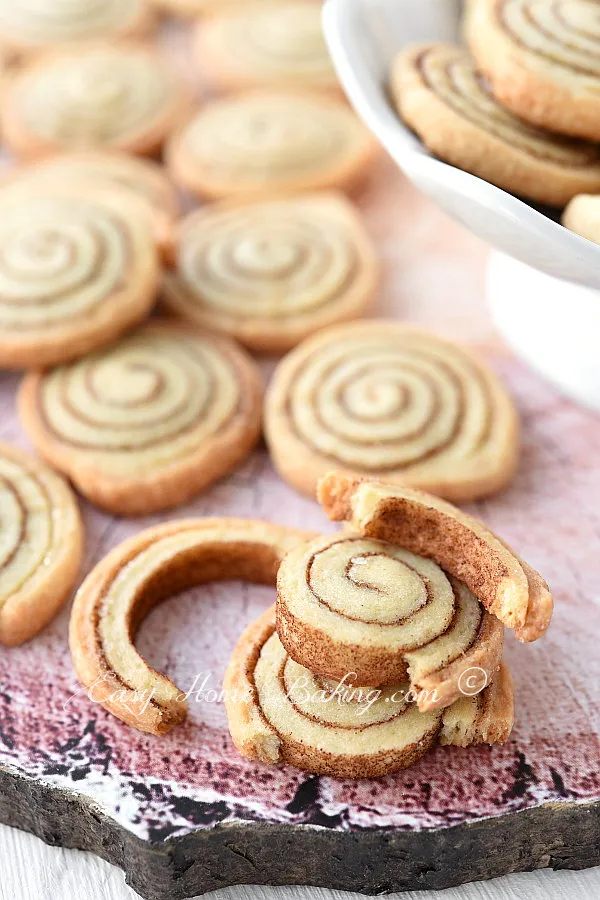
(542, 60)
(263, 142)
(279, 43)
(279, 712)
(120, 96)
(157, 563)
(78, 267)
(372, 612)
(270, 273)
(26, 26)
(442, 96)
(144, 179)
(41, 545)
(146, 423)
(463, 547)
(385, 399)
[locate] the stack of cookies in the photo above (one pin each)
(519, 106)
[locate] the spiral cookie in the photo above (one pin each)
(41, 545)
(272, 272)
(384, 399)
(422, 524)
(542, 59)
(351, 607)
(260, 142)
(445, 99)
(116, 96)
(77, 267)
(279, 711)
(34, 24)
(146, 423)
(144, 179)
(278, 43)
(155, 564)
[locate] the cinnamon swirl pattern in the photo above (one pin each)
(41, 545)
(148, 422)
(463, 547)
(77, 267)
(119, 593)
(542, 59)
(278, 711)
(261, 142)
(34, 24)
(144, 179)
(372, 611)
(384, 399)
(442, 96)
(117, 96)
(276, 43)
(270, 273)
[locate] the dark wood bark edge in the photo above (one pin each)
(557, 835)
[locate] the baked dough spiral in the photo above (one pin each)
(34, 24)
(383, 398)
(542, 59)
(148, 422)
(374, 612)
(443, 96)
(262, 142)
(508, 588)
(120, 96)
(77, 267)
(141, 572)
(270, 273)
(41, 546)
(279, 711)
(273, 43)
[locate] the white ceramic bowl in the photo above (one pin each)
(537, 256)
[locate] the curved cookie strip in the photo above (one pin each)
(274, 43)
(387, 400)
(279, 712)
(122, 589)
(146, 423)
(542, 59)
(78, 266)
(259, 143)
(442, 96)
(144, 179)
(270, 273)
(121, 96)
(462, 546)
(27, 25)
(350, 607)
(41, 545)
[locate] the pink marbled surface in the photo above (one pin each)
(158, 787)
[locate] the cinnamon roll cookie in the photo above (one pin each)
(272, 272)
(275, 43)
(367, 610)
(279, 712)
(146, 423)
(121, 96)
(119, 593)
(41, 545)
(263, 142)
(425, 525)
(542, 60)
(78, 266)
(385, 399)
(443, 97)
(27, 25)
(144, 179)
